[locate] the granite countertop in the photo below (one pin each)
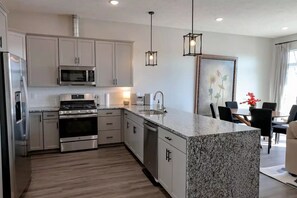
(181, 123)
(42, 109)
(185, 124)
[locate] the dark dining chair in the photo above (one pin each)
(225, 114)
(261, 118)
(269, 105)
(213, 111)
(281, 127)
(231, 104)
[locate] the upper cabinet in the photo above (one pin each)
(17, 44)
(76, 52)
(3, 29)
(42, 60)
(114, 64)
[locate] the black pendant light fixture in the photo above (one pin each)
(192, 42)
(151, 56)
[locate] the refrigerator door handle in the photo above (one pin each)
(27, 110)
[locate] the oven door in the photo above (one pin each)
(78, 127)
(77, 75)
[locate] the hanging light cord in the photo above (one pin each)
(151, 13)
(192, 17)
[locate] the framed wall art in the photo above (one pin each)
(215, 82)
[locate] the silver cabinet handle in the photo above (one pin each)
(39, 118)
(58, 125)
(109, 113)
(109, 123)
(134, 129)
(169, 158)
(127, 125)
(78, 60)
(109, 137)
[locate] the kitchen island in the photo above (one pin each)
(222, 158)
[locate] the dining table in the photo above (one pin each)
(242, 114)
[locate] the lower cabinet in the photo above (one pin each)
(171, 166)
(44, 131)
(36, 133)
(51, 134)
(133, 134)
(109, 126)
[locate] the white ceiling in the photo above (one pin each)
(263, 18)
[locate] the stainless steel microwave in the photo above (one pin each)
(77, 75)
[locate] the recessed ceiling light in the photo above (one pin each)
(285, 28)
(219, 19)
(114, 2)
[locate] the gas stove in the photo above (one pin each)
(78, 122)
(77, 104)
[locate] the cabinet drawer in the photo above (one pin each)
(172, 139)
(109, 123)
(108, 137)
(133, 117)
(116, 112)
(50, 115)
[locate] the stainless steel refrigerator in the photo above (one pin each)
(14, 126)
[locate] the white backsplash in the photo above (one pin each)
(49, 96)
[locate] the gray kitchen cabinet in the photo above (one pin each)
(44, 131)
(109, 126)
(17, 44)
(51, 130)
(172, 163)
(76, 52)
(3, 28)
(114, 64)
(36, 132)
(124, 71)
(134, 134)
(42, 60)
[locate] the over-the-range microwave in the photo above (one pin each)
(77, 75)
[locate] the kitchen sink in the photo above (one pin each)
(151, 112)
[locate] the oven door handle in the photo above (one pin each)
(78, 116)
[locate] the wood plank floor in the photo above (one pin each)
(107, 172)
(110, 173)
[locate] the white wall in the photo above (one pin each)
(175, 74)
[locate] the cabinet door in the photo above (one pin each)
(17, 44)
(42, 59)
(68, 52)
(86, 52)
(178, 174)
(138, 141)
(3, 30)
(124, 73)
(165, 165)
(36, 133)
(51, 134)
(104, 64)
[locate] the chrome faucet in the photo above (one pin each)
(162, 107)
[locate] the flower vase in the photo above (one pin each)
(252, 107)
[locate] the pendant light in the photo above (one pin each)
(192, 42)
(151, 56)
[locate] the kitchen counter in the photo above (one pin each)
(223, 158)
(42, 109)
(185, 124)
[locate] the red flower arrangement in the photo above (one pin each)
(252, 101)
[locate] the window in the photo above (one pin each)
(290, 94)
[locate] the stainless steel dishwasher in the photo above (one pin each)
(151, 151)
